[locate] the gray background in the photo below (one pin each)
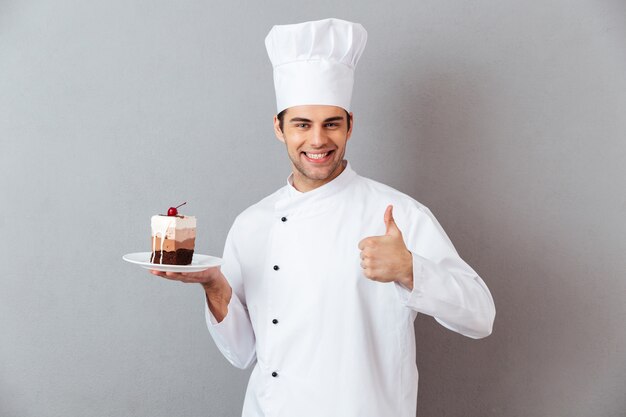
(506, 118)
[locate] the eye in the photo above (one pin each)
(301, 125)
(331, 125)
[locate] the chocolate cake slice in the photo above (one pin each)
(173, 239)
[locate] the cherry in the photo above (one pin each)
(173, 211)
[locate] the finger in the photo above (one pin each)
(168, 275)
(178, 276)
(392, 227)
(368, 252)
(368, 242)
(159, 273)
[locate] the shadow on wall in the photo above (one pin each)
(474, 179)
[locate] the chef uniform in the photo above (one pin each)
(324, 339)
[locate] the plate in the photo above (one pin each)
(198, 262)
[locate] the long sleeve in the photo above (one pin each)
(445, 286)
(234, 335)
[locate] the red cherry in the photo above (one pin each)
(172, 211)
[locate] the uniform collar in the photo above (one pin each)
(296, 199)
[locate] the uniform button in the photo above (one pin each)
(276, 268)
(284, 219)
(275, 321)
(274, 374)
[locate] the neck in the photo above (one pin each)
(305, 184)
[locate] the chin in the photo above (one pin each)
(317, 176)
(320, 174)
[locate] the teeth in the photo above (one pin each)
(316, 155)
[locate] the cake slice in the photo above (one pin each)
(173, 239)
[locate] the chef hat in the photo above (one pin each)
(314, 62)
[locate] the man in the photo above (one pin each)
(323, 279)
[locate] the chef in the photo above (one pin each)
(323, 279)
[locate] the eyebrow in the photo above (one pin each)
(302, 119)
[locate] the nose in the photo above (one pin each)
(318, 137)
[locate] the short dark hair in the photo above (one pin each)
(281, 116)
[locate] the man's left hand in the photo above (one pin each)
(386, 258)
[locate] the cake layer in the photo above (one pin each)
(171, 245)
(175, 234)
(178, 257)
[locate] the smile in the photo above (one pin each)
(318, 157)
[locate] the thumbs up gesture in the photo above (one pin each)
(386, 258)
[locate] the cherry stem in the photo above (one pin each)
(182, 204)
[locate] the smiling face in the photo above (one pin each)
(315, 137)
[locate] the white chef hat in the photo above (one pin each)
(314, 62)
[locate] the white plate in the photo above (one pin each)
(198, 262)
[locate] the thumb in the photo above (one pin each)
(392, 227)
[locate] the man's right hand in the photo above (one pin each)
(216, 287)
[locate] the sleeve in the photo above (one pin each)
(444, 286)
(234, 335)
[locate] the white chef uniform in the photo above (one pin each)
(324, 339)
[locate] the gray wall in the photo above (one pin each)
(506, 118)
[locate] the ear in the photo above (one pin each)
(349, 133)
(277, 131)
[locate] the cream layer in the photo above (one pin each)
(173, 227)
(182, 222)
(175, 234)
(170, 245)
